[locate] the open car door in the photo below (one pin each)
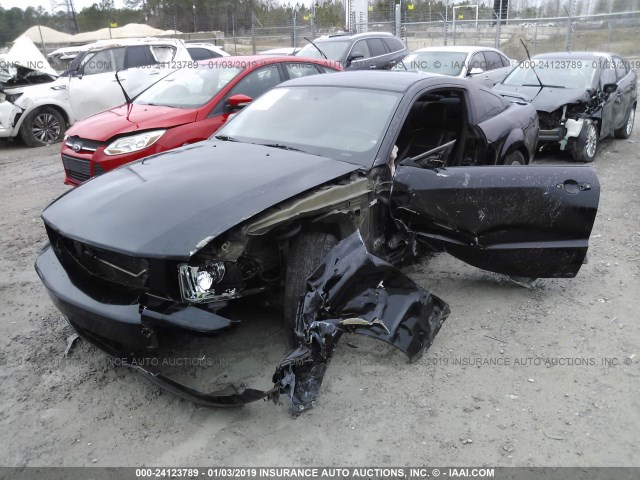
(531, 221)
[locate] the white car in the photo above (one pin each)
(41, 113)
(205, 51)
(485, 65)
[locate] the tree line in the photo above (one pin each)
(239, 15)
(181, 15)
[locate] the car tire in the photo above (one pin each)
(305, 255)
(585, 147)
(627, 128)
(43, 126)
(515, 158)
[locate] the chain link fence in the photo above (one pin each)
(427, 24)
(420, 24)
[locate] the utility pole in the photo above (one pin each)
(253, 33)
(313, 19)
(570, 14)
(498, 25)
(195, 26)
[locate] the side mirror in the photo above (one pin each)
(353, 58)
(609, 87)
(475, 71)
(237, 102)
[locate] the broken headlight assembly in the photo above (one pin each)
(198, 283)
(9, 97)
(133, 143)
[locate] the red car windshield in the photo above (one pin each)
(189, 87)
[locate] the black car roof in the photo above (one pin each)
(376, 80)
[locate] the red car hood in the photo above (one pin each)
(130, 118)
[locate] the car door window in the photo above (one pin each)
(360, 49)
(505, 61)
(198, 53)
(297, 70)
(163, 53)
(435, 120)
(493, 60)
(393, 44)
(139, 56)
(376, 47)
(477, 61)
(258, 82)
(104, 61)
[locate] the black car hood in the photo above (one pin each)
(548, 100)
(171, 204)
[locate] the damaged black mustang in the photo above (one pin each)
(581, 98)
(312, 196)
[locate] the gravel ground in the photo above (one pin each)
(449, 408)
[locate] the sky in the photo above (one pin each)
(46, 4)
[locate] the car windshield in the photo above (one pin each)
(557, 72)
(189, 87)
(346, 124)
(334, 50)
(444, 63)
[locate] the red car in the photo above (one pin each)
(186, 106)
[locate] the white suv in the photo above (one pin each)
(41, 113)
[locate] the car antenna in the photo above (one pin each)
(531, 63)
(317, 48)
(127, 98)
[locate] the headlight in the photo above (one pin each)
(198, 283)
(133, 143)
(10, 97)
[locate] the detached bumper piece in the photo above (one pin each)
(354, 291)
(351, 291)
(229, 396)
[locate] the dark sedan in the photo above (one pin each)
(310, 196)
(580, 97)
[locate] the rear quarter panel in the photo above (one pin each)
(516, 128)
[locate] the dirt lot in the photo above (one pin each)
(374, 408)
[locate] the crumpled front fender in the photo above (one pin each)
(355, 291)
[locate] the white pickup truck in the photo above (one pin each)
(40, 109)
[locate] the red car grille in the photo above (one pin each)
(77, 169)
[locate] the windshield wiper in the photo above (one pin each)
(226, 138)
(531, 65)
(543, 86)
(280, 145)
(124, 92)
(317, 48)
